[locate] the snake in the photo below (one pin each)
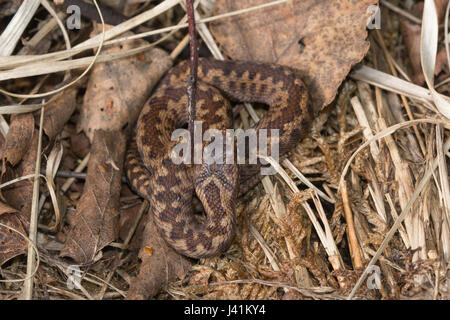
(176, 190)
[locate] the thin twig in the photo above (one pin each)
(28, 293)
(355, 249)
(401, 12)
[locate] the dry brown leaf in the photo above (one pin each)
(128, 216)
(80, 145)
(18, 139)
(160, 264)
(117, 90)
(18, 195)
(58, 112)
(15, 212)
(321, 38)
(95, 224)
(11, 243)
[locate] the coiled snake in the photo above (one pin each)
(170, 187)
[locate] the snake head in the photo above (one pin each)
(222, 177)
(217, 187)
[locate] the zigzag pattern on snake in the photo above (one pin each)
(170, 187)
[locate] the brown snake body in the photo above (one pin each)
(170, 187)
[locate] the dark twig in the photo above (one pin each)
(68, 174)
(192, 81)
(71, 174)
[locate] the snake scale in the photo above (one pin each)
(170, 187)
